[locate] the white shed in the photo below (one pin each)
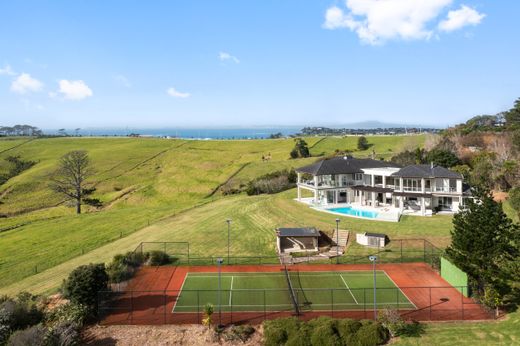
(371, 239)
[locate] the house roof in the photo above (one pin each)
(298, 232)
(343, 165)
(426, 171)
(377, 235)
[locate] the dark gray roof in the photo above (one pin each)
(378, 235)
(343, 165)
(298, 232)
(426, 171)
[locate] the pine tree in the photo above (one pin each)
(485, 244)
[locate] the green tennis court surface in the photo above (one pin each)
(313, 291)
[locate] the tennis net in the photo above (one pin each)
(291, 291)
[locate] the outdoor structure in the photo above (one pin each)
(381, 186)
(297, 239)
(371, 239)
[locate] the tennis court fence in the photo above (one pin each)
(397, 251)
(256, 305)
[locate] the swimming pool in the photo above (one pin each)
(355, 212)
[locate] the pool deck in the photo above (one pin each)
(384, 213)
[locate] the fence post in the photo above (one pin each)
(401, 242)
(430, 303)
(397, 295)
(462, 302)
(364, 302)
(424, 250)
(198, 307)
(332, 303)
(165, 306)
(131, 307)
(265, 312)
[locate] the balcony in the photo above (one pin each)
(445, 189)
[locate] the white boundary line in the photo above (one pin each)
(399, 288)
(180, 292)
(289, 305)
(348, 288)
(231, 291)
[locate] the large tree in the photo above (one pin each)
(513, 116)
(485, 244)
(70, 179)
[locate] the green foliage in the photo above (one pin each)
(482, 171)
(34, 336)
(159, 258)
(123, 267)
(301, 149)
(67, 313)
(514, 199)
(272, 182)
(362, 143)
(15, 167)
(444, 158)
(5, 332)
(20, 312)
(405, 158)
(323, 331)
(485, 243)
(84, 283)
(465, 170)
(513, 116)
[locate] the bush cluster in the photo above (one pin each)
(24, 322)
(324, 331)
(123, 266)
(272, 182)
(84, 283)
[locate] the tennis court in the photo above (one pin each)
(288, 290)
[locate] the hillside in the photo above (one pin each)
(140, 182)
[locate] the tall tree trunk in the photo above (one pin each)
(78, 206)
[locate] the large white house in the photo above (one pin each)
(381, 185)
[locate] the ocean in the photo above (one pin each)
(187, 133)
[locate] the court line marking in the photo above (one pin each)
(399, 288)
(348, 288)
(290, 305)
(231, 290)
(180, 292)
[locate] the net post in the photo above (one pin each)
(230, 309)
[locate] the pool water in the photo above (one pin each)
(355, 212)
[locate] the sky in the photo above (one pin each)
(226, 63)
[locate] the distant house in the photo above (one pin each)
(381, 185)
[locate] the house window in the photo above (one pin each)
(358, 176)
(411, 185)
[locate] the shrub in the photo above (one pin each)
(64, 334)
(159, 258)
(302, 337)
(208, 312)
(347, 330)
(371, 334)
(325, 332)
(362, 143)
(119, 271)
(5, 331)
(278, 331)
(20, 313)
(67, 313)
(272, 182)
(242, 333)
(391, 319)
(84, 283)
(34, 336)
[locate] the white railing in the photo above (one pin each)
(445, 189)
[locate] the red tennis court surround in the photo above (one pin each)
(151, 295)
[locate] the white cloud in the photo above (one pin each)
(24, 83)
(7, 70)
(378, 21)
(175, 93)
(460, 18)
(223, 56)
(122, 80)
(74, 89)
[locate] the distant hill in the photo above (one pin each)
(381, 125)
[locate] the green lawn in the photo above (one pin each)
(313, 291)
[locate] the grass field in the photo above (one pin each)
(140, 182)
(313, 291)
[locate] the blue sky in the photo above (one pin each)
(265, 62)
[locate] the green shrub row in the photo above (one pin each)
(324, 331)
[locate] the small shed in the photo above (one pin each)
(372, 239)
(297, 239)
